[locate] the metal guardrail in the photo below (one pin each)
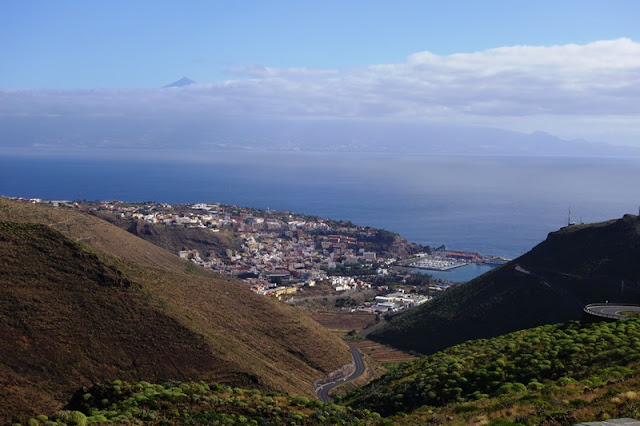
(587, 309)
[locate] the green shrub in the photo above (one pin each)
(577, 403)
(535, 385)
(70, 417)
(147, 415)
(465, 408)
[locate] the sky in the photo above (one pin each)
(570, 68)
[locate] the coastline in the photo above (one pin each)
(443, 269)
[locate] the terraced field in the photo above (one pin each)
(344, 320)
(341, 323)
(382, 353)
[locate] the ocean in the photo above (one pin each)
(496, 205)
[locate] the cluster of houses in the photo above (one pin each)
(274, 251)
(397, 302)
(278, 255)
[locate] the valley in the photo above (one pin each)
(163, 339)
(233, 335)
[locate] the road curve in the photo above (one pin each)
(610, 310)
(323, 391)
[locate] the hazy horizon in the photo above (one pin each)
(278, 74)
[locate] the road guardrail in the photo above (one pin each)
(588, 309)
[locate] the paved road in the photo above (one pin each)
(323, 391)
(610, 310)
(605, 310)
(613, 422)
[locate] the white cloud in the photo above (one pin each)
(509, 87)
(258, 71)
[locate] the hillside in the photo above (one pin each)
(68, 318)
(574, 266)
(553, 374)
(176, 238)
(201, 403)
(84, 301)
(538, 362)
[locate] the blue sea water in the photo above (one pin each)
(458, 275)
(495, 205)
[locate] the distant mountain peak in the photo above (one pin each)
(184, 81)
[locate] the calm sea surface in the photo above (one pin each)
(458, 275)
(495, 205)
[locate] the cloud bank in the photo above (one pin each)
(590, 91)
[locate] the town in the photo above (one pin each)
(282, 254)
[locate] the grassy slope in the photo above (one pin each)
(68, 319)
(253, 340)
(573, 267)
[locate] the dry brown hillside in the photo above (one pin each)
(83, 301)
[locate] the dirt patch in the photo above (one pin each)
(344, 320)
(382, 353)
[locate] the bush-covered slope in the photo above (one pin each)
(201, 403)
(571, 268)
(531, 360)
(555, 374)
(220, 329)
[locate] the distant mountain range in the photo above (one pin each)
(160, 133)
(184, 81)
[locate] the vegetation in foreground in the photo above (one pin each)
(555, 374)
(536, 365)
(199, 403)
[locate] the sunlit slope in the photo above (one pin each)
(68, 319)
(176, 238)
(574, 266)
(242, 338)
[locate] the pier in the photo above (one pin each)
(435, 264)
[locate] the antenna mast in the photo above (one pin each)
(569, 223)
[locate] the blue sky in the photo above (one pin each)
(569, 68)
(78, 44)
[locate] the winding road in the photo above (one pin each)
(607, 310)
(323, 391)
(603, 310)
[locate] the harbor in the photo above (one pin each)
(458, 275)
(452, 265)
(436, 264)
